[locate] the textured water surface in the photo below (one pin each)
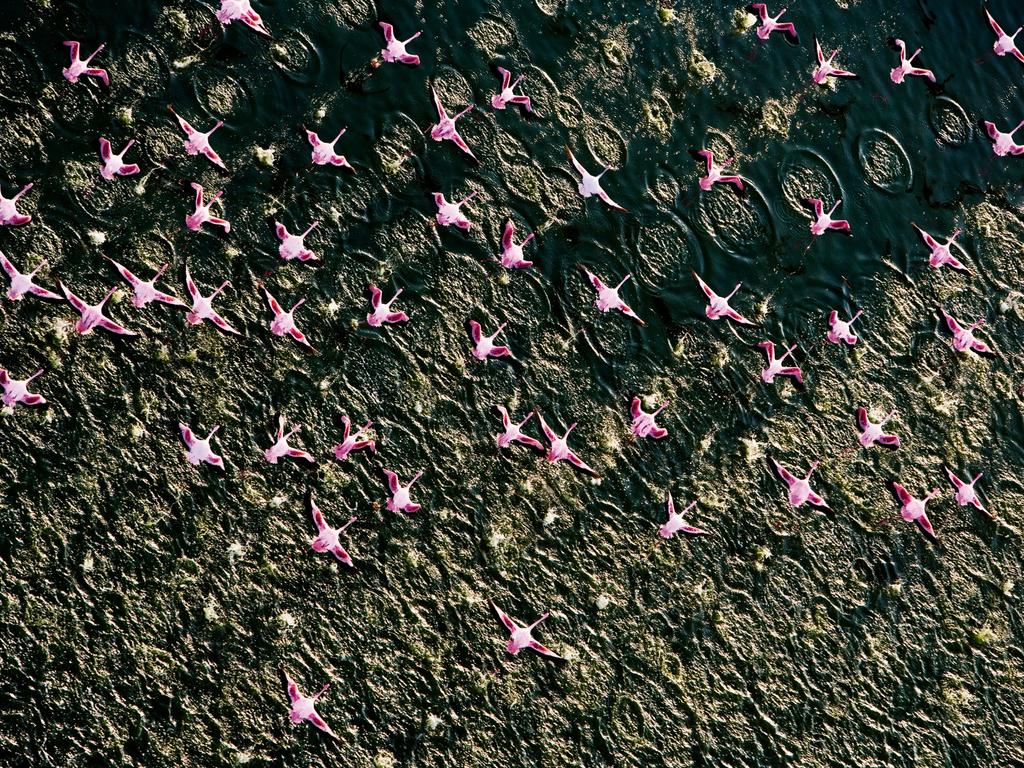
(147, 605)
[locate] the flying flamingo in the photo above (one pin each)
(24, 282)
(965, 493)
(445, 126)
(590, 185)
(824, 221)
(1004, 43)
(913, 509)
(677, 523)
(715, 173)
(394, 51)
(9, 216)
(800, 488)
(905, 68)
(941, 253)
(507, 95)
(303, 707)
(521, 637)
(1003, 143)
(826, 68)
(197, 142)
(871, 432)
(113, 163)
(718, 306)
(771, 24)
(79, 66)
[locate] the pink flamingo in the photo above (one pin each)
(114, 164)
(9, 216)
(800, 488)
(328, 539)
(79, 66)
(521, 637)
(395, 49)
(354, 441)
(514, 432)
(241, 10)
(913, 509)
(941, 253)
(92, 315)
(202, 214)
(871, 432)
(559, 450)
(590, 185)
(511, 256)
(963, 336)
(965, 492)
(506, 95)
(839, 330)
(775, 367)
(1003, 143)
(676, 522)
(715, 173)
(304, 707)
(294, 246)
(382, 310)
(198, 449)
(643, 422)
(401, 498)
(445, 126)
(484, 346)
(905, 68)
(323, 152)
(197, 142)
(608, 297)
(24, 282)
(280, 449)
(451, 213)
(144, 291)
(16, 390)
(718, 306)
(284, 321)
(826, 68)
(1004, 43)
(824, 221)
(771, 24)
(202, 306)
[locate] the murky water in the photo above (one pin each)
(146, 605)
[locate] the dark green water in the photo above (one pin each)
(146, 605)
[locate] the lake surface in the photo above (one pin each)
(147, 604)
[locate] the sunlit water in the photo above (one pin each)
(147, 604)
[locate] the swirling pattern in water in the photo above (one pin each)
(950, 122)
(606, 144)
(805, 174)
(148, 605)
(297, 58)
(562, 200)
(666, 251)
(21, 73)
(663, 186)
(740, 225)
(493, 34)
(223, 95)
(141, 67)
(884, 162)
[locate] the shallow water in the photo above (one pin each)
(147, 604)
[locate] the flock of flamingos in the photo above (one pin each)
(292, 247)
